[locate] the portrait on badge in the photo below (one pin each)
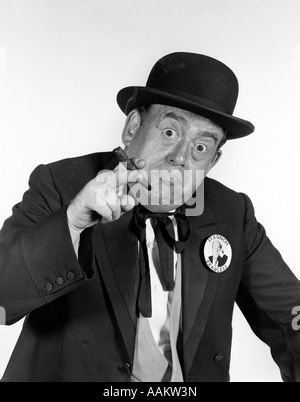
(218, 253)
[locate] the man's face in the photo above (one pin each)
(180, 143)
(216, 248)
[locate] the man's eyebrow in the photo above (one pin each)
(172, 115)
(210, 134)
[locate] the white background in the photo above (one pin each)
(63, 61)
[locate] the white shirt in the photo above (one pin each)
(161, 299)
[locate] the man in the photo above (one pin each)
(114, 291)
(218, 257)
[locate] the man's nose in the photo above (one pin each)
(179, 155)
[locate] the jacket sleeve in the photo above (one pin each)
(268, 293)
(37, 260)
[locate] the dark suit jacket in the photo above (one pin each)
(80, 315)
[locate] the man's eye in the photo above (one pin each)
(170, 133)
(201, 148)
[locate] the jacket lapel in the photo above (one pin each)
(199, 285)
(117, 257)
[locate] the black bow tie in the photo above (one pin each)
(165, 238)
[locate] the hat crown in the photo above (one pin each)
(199, 76)
(193, 82)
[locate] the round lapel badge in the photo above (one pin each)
(217, 253)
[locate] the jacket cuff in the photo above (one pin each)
(50, 256)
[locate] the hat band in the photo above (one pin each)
(174, 95)
(199, 100)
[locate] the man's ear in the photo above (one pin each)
(215, 160)
(131, 126)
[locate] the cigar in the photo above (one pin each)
(122, 157)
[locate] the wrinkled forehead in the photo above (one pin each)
(159, 111)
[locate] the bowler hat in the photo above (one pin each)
(193, 82)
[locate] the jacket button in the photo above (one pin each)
(218, 357)
(48, 287)
(286, 378)
(125, 368)
(60, 281)
(70, 276)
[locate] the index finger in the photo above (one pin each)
(124, 176)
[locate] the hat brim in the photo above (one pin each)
(142, 96)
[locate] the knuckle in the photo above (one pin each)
(105, 177)
(137, 175)
(100, 200)
(105, 213)
(127, 202)
(108, 197)
(114, 204)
